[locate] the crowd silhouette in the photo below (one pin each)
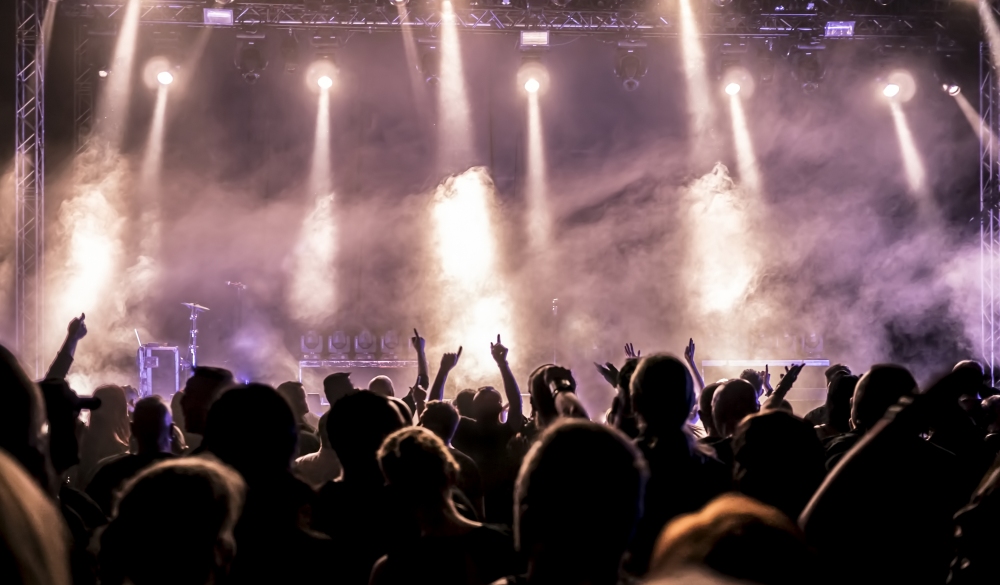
(678, 482)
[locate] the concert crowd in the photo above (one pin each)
(676, 482)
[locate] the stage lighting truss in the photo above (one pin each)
(250, 57)
(777, 19)
(630, 63)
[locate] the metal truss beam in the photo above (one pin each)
(989, 213)
(83, 87)
(29, 173)
(373, 17)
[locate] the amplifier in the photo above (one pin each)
(159, 370)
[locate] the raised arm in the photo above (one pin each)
(515, 417)
(448, 363)
(689, 357)
(423, 372)
(786, 383)
(76, 331)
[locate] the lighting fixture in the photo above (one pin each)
(890, 90)
(324, 82)
(165, 77)
(733, 88)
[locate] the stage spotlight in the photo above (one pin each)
(533, 76)
(102, 73)
(158, 72)
(399, 2)
(290, 52)
(733, 88)
(321, 74)
(952, 89)
(890, 90)
(164, 78)
(630, 65)
(898, 86)
(807, 68)
(738, 80)
(249, 59)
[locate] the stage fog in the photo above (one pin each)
(644, 238)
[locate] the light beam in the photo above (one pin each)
(916, 176)
(112, 108)
(538, 209)
(978, 125)
(746, 158)
(454, 120)
(699, 99)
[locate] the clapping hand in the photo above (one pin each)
(499, 351)
(450, 360)
(609, 372)
(630, 351)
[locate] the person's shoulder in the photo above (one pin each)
(461, 458)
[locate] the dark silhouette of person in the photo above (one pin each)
(705, 411)
(251, 428)
(579, 496)
(419, 467)
(382, 385)
(737, 537)
(174, 525)
(837, 413)
(108, 432)
(295, 395)
(463, 402)
(201, 390)
(151, 430)
(21, 420)
(441, 418)
(322, 466)
(683, 476)
(778, 460)
(357, 510)
(821, 414)
(733, 401)
(881, 387)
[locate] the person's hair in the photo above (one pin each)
(705, 406)
(151, 423)
(663, 392)
(203, 388)
(628, 370)
(778, 459)
(219, 376)
(553, 513)
(737, 537)
(733, 401)
(252, 429)
(336, 386)
(324, 437)
(382, 385)
(441, 418)
(838, 402)
(33, 536)
(881, 387)
(295, 395)
(463, 401)
(487, 404)
(171, 524)
(417, 462)
(358, 424)
(751, 375)
(22, 418)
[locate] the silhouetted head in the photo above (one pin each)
(295, 395)
(585, 528)
(751, 375)
(463, 402)
(251, 428)
(22, 417)
(358, 424)
(176, 411)
(705, 407)
(202, 389)
(336, 386)
(736, 536)
(324, 438)
(778, 460)
(174, 525)
(151, 425)
(403, 408)
(732, 402)
(487, 405)
(382, 386)
(417, 463)
(838, 401)
(112, 416)
(440, 418)
(662, 392)
(33, 535)
(881, 387)
(628, 370)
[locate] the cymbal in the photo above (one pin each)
(196, 307)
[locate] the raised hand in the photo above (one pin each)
(609, 372)
(630, 351)
(450, 360)
(765, 378)
(77, 328)
(498, 351)
(790, 376)
(417, 341)
(689, 351)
